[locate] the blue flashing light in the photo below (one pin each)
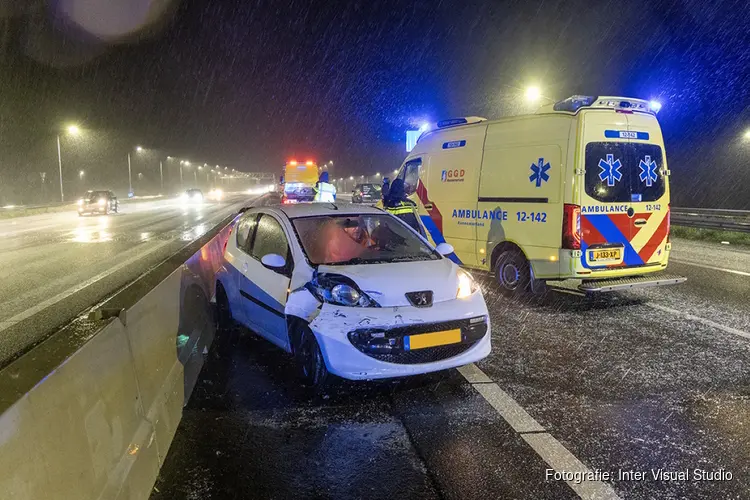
(655, 106)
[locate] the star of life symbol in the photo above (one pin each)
(648, 171)
(610, 170)
(539, 172)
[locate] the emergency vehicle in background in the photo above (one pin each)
(577, 191)
(298, 181)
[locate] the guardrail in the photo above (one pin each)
(712, 218)
(90, 412)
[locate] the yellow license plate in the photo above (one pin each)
(608, 254)
(424, 340)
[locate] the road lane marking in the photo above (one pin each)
(704, 321)
(543, 443)
(697, 264)
(560, 459)
(5, 324)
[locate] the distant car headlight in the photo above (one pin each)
(102, 202)
(466, 285)
(339, 290)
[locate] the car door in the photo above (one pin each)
(265, 290)
(237, 256)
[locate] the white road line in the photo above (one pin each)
(4, 325)
(560, 459)
(543, 443)
(698, 264)
(704, 321)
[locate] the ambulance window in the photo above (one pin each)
(648, 178)
(608, 173)
(410, 175)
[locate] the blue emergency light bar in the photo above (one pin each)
(576, 102)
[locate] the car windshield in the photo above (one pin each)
(360, 239)
(95, 195)
(194, 191)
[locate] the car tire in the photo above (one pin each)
(224, 320)
(512, 273)
(310, 363)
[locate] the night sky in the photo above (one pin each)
(252, 83)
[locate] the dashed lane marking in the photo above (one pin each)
(705, 266)
(707, 322)
(542, 442)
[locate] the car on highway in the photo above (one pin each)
(98, 202)
(366, 193)
(192, 196)
(351, 291)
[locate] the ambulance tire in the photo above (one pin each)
(512, 273)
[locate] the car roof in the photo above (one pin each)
(317, 209)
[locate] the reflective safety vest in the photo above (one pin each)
(325, 192)
(407, 213)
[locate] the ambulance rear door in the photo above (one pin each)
(621, 209)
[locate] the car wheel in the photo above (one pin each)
(512, 273)
(310, 363)
(224, 319)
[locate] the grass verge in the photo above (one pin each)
(715, 235)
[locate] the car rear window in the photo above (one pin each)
(621, 172)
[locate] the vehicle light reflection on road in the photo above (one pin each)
(92, 234)
(145, 236)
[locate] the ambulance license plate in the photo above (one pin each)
(605, 255)
(424, 340)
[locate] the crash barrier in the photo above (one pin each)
(90, 412)
(712, 218)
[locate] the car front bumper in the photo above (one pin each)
(332, 328)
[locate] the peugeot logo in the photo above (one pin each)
(420, 299)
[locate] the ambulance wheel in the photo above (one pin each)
(512, 272)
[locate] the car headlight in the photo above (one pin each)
(80, 203)
(102, 202)
(339, 290)
(466, 285)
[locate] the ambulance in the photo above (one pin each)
(574, 196)
(299, 180)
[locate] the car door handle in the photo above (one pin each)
(428, 206)
(640, 222)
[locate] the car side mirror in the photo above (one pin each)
(273, 261)
(445, 249)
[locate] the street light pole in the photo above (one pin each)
(161, 175)
(59, 165)
(130, 177)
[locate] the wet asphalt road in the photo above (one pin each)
(638, 381)
(53, 266)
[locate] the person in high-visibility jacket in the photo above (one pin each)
(396, 203)
(324, 191)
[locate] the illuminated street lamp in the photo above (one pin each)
(138, 148)
(81, 174)
(377, 174)
(74, 131)
(533, 94)
(395, 172)
(747, 134)
(351, 177)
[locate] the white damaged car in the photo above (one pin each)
(350, 290)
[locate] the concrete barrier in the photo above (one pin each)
(90, 413)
